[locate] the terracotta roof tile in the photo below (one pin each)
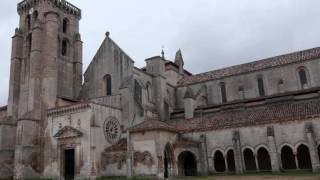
(150, 125)
(185, 142)
(260, 115)
(253, 66)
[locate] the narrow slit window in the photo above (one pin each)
(223, 92)
(261, 86)
(303, 77)
(64, 49)
(108, 87)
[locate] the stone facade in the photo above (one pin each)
(159, 120)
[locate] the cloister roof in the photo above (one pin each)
(272, 62)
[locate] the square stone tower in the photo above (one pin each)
(46, 67)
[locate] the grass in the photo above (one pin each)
(218, 176)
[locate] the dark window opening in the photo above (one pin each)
(264, 160)
(219, 162)
(231, 161)
(303, 78)
(287, 158)
(35, 15)
(249, 160)
(223, 92)
(187, 164)
(261, 87)
(303, 156)
(29, 44)
(64, 49)
(28, 22)
(108, 86)
(69, 164)
(65, 25)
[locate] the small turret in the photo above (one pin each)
(179, 61)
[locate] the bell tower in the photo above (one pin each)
(46, 67)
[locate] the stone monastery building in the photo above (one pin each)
(159, 120)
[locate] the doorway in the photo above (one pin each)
(187, 164)
(69, 164)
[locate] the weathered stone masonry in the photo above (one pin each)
(159, 120)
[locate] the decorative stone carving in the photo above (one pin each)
(112, 130)
(118, 158)
(68, 132)
(144, 158)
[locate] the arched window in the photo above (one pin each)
(249, 160)
(28, 22)
(64, 47)
(303, 77)
(223, 92)
(65, 25)
(219, 162)
(261, 86)
(107, 84)
(288, 158)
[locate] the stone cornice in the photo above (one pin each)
(60, 111)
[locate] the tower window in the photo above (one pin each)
(107, 82)
(261, 86)
(303, 77)
(223, 92)
(65, 25)
(35, 15)
(64, 47)
(28, 22)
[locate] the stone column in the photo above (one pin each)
(226, 163)
(129, 156)
(237, 152)
(296, 160)
(273, 150)
(35, 70)
(256, 161)
(204, 156)
(15, 68)
(312, 147)
(50, 60)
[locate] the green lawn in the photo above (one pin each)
(296, 175)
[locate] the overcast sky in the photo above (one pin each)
(211, 33)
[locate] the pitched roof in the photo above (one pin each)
(253, 116)
(295, 57)
(151, 125)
